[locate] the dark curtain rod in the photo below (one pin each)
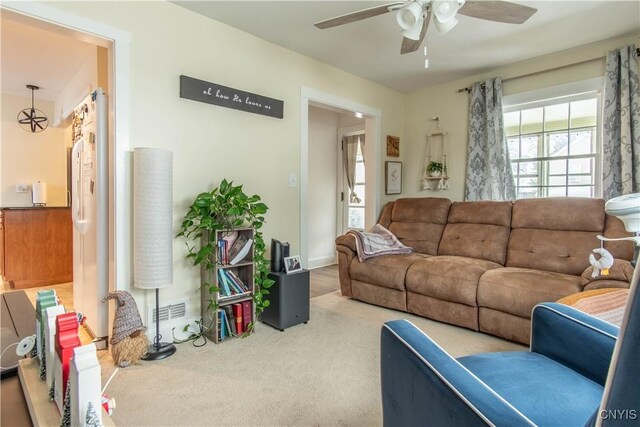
(468, 89)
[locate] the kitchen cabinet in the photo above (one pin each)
(37, 246)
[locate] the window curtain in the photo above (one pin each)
(349, 153)
(489, 174)
(621, 124)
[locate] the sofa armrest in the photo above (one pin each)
(346, 248)
(573, 338)
(347, 241)
(619, 276)
(423, 385)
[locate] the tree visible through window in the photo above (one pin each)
(553, 147)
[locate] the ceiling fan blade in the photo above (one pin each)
(356, 16)
(498, 11)
(409, 45)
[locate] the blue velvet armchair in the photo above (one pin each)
(580, 371)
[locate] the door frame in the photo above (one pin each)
(373, 120)
(118, 44)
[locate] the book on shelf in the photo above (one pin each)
(225, 291)
(238, 281)
(228, 285)
(246, 314)
(240, 248)
(233, 283)
(231, 321)
(227, 327)
(237, 315)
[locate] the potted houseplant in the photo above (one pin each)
(226, 208)
(435, 169)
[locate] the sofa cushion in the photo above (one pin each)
(477, 230)
(555, 234)
(564, 252)
(614, 228)
(419, 222)
(387, 270)
(518, 290)
(559, 213)
(546, 392)
(448, 278)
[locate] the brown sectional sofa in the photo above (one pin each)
(484, 265)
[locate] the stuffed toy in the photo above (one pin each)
(128, 341)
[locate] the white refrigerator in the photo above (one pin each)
(89, 211)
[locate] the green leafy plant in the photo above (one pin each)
(435, 167)
(226, 208)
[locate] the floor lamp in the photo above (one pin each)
(152, 231)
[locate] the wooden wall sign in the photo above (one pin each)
(223, 96)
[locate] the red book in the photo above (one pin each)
(237, 315)
(246, 314)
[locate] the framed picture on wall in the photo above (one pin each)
(393, 146)
(393, 178)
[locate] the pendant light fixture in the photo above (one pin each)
(30, 119)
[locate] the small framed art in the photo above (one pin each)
(393, 146)
(393, 177)
(292, 264)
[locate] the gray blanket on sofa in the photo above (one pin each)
(379, 241)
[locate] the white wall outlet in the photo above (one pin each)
(22, 188)
(293, 180)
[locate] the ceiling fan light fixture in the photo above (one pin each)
(444, 12)
(409, 16)
(413, 33)
(446, 26)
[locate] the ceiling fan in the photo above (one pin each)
(413, 16)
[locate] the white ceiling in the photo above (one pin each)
(371, 48)
(32, 55)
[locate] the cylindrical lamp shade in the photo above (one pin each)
(152, 218)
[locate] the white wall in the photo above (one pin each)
(26, 157)
(211, 143)
(452, 108)
(323, 160)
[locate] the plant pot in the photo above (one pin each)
(435, 174)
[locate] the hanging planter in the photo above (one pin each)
(31, 119)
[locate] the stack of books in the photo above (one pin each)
(233, 248)
(234, 319)
(230, 284)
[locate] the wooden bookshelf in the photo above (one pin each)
(244, 270)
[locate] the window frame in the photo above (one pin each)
(588, 89)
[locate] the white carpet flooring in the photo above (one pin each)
(324, 373)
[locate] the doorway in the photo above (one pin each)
(369, 119)
(109, 62)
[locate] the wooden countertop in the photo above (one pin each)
(23, 208)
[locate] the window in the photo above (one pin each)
(356, 210)
(554, 147)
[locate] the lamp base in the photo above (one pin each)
(159, 351)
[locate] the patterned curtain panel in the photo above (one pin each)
(349, 152)
(489, 174)
(621, 133)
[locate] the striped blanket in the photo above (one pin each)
(379, 241)
(607, 304)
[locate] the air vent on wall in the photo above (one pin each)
(167, 313)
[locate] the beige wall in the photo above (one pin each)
(323, 174)
(26, 157)
(452, 108)
(211, 143)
